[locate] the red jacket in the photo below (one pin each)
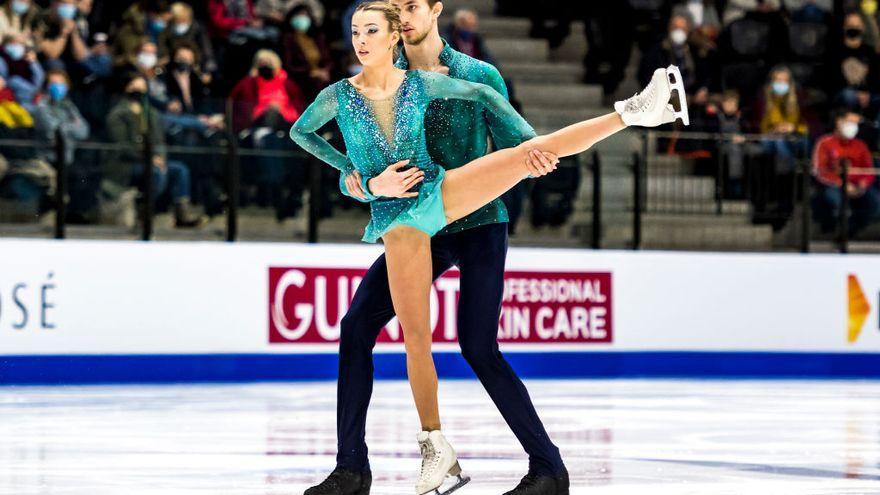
(831, 150)
(222, 23)
(245, 99)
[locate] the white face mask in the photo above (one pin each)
(147, 60)
(678, 37)
(849, 130)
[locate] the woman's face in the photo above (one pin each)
(372, 39)
(781, 77)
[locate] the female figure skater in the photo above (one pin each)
(381, 115)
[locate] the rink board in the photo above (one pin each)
(92, 311)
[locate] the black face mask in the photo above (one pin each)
(853, 33)
(183, 67)
(266, 72)
(135, 95)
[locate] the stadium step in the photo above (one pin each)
(518, 49)
(484, 8)
(565, 96)
(542, 72)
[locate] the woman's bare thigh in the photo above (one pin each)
(408, 256)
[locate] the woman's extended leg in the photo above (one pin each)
(467, 188)
(408, 254)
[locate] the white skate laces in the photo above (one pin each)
(651, 107)
(438, 462)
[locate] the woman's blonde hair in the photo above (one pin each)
(181, 10)
(266, 55)
(387, 9)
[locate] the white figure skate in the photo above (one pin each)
(652, 107)
(438, 462)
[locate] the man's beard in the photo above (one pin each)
(419, 39)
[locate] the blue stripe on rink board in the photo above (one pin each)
(173, 368)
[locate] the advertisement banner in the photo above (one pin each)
(564, 312)
(306, 306)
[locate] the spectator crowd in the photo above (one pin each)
(803, 74)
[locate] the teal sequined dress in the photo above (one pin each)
(370, 149)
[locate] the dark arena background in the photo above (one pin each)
(693, 310)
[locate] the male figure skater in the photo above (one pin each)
(457, 133)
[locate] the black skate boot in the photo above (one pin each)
(533, 484)
(343, 482)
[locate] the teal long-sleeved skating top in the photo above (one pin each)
(370, 150)
(457, 131)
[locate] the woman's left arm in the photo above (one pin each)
(439, 86)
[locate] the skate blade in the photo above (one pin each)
(460, 481)
(676, 85)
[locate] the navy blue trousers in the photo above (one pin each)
(480, 255)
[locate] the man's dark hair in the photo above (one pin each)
(844, 111)
(57, 72)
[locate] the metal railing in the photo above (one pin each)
(758, 181)
(230, 152)
(643, 168)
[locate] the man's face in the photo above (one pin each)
(853, 31)
(679, 22)
(185, 56)
(418, 19)
(730, 105)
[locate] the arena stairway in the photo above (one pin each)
(680, 208)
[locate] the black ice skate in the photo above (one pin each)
(532, 484)
(343, 482)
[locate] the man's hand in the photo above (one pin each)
(854, 191)
(393, 183)
(540, 163)
(67, 26)
(159, 162)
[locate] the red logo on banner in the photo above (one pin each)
(306, 305)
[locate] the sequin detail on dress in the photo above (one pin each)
(370, 151)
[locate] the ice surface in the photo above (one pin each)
(617, 437)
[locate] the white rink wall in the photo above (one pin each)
(83, 311)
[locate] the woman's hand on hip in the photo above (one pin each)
(394, 183)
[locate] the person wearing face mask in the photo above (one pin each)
(185, 30)
(124, 168)
(697, 65)
(307, 57)
(17, 17)
(58, 39)
(833, 152)
(146, 62)
(782, 120)
(855, 69)
(54, 111)
(19, 66)
(275, 11)
(145, 19)
(264, 106)
(191, 120)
